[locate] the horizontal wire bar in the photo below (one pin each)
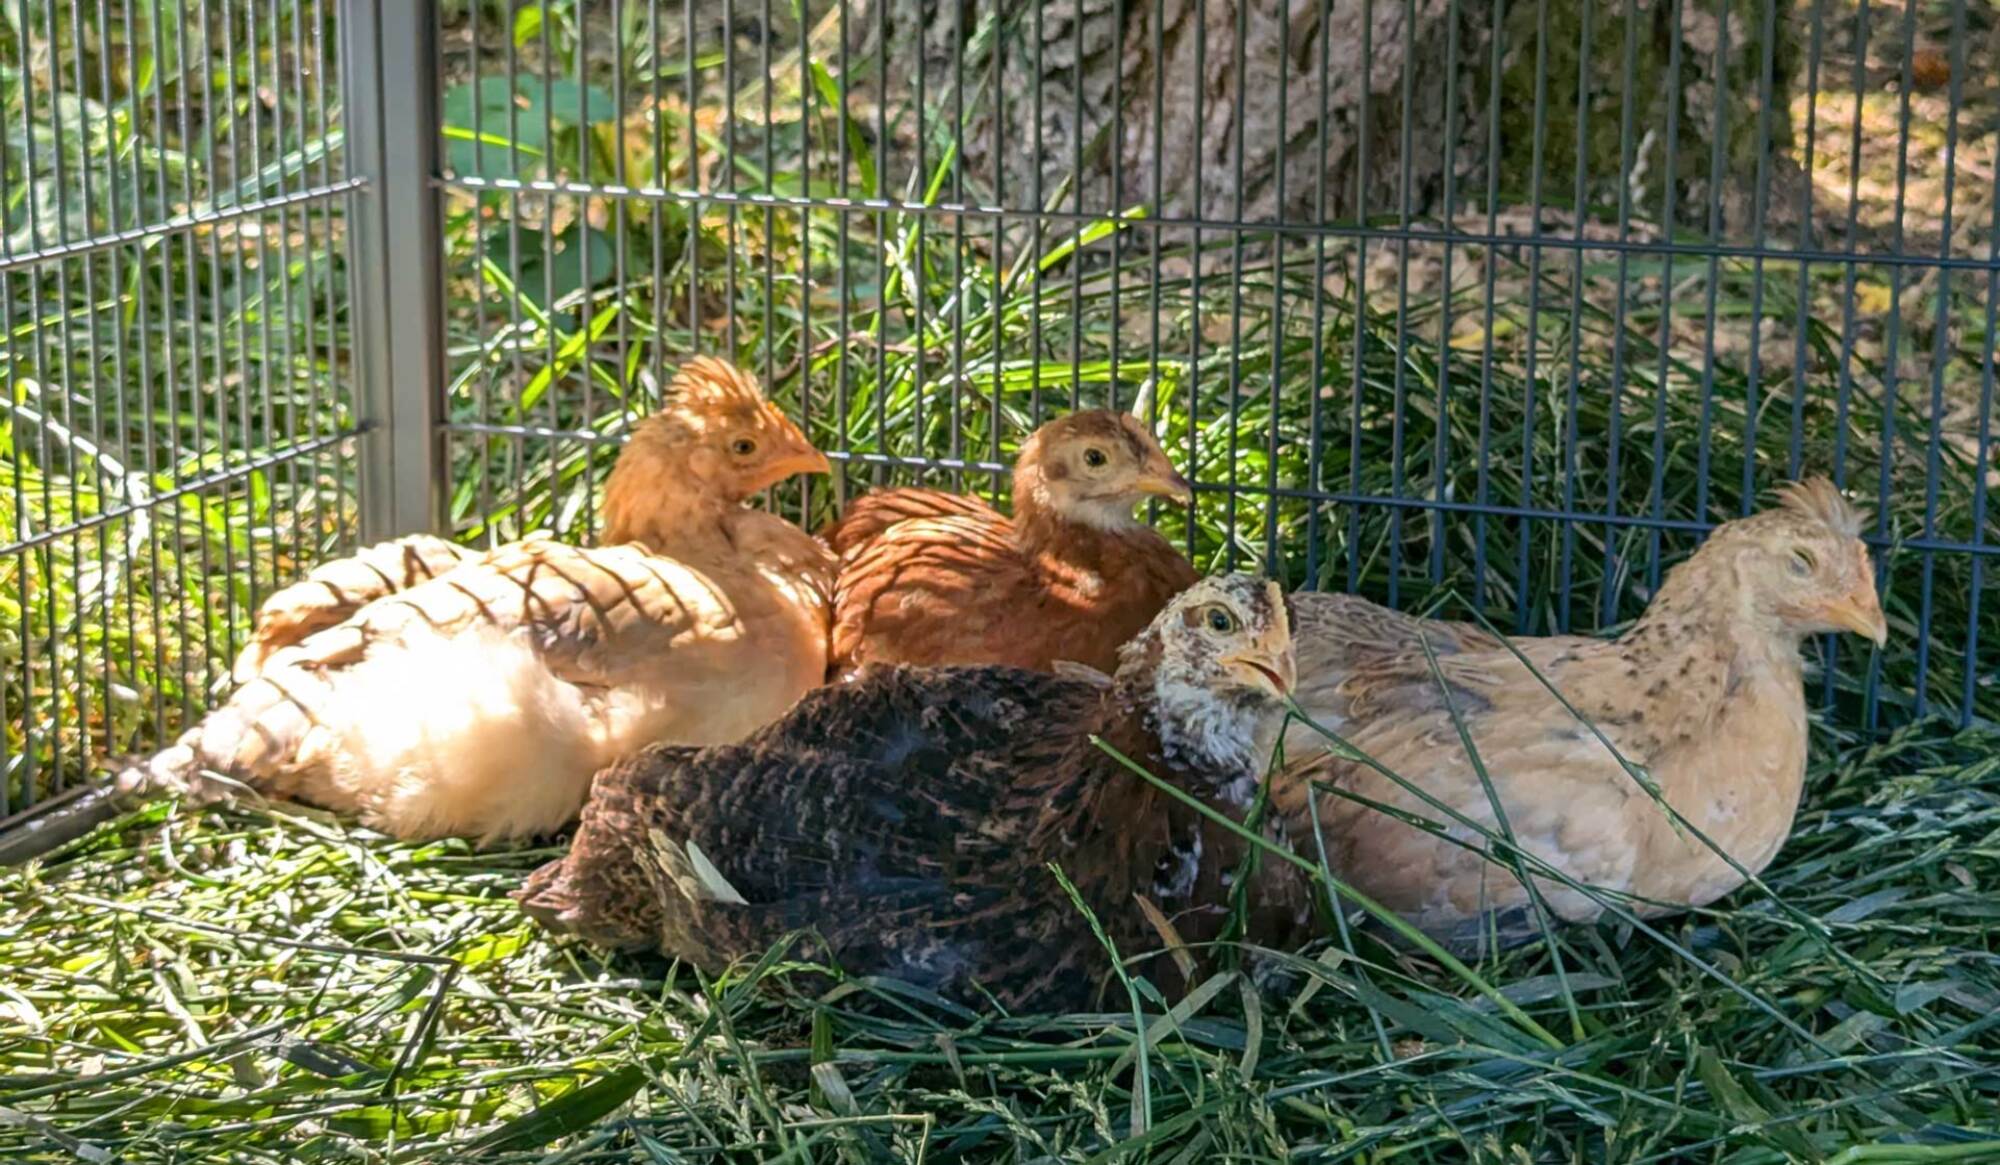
(191, 486)
(1486, 509)
(1307, 230)
(851, 456)
(1579, 517)
(161, 229)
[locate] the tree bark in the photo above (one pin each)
(1358, 108)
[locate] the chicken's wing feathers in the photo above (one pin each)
(871, 515)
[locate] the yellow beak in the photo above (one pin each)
(1166, 482)
(1860, 613)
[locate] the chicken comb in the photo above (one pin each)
(705, 378)
(1820, 499)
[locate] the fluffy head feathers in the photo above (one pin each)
(714, 442)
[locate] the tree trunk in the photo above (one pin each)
(1312, 103)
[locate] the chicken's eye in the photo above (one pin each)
(1221, 621)
(743, 446)
(1802, 562)
(1094, 457)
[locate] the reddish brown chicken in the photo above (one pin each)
(931, 578)
(1704, 692)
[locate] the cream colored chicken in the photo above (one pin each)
(1704, 693)
(333, 591)
(481, 701)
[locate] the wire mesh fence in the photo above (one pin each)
(1461, 304)
(175, 422)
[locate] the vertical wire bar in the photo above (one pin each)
(169, 357)
(554, 450)
(1035, 220)
(621, 228)
(1844, 384)
(392, 103)
(1237, 52)
(239, 271)
(920, 181)
(1581, 203)
(1315, 446)
(358, 53)
(1565, 572)
(31, 753)
(269, 436)
(1615, 391)
(1360, 285)
(1940, 355)
(121, 372)
(958, 275)
(843, 387)
(657, 141)
(518, 338)
(1803, 322)
(732, 215)
(1194, 284)
(94, 358)
(805, 340)
(1719, 133)
(770, 217)
(997, 69)
(68, 346)
(142, 278)
(1983, 452)
(1441, 434)
(1156, 201)
(1615, 569)
(1484, 489)
(1886, 464)
(692, 79)
(216, 374)
(1117, 150)
(8, 761)
(1075, 261)
(586, 294)
(292, 312)
(483, 379)
(1399, 426)
(1758, 242)
(1273, 512)
(882, 236)
(329, 462)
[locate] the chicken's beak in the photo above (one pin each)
(1267, 664)
(1859, 612)
(802, 458)
(1164, 481)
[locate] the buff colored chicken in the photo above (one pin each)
(1705, 693)
(481, 701)
(333, 591)
(931, 578)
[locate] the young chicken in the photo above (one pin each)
(333, 591)
(930, 578)
(908, 818)
(481, 701)
(1705, 692)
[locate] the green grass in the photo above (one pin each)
(262, 984)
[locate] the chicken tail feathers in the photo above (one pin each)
(256, 741)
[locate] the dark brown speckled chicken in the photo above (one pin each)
(908, 818)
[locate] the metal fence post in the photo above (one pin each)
(390, 97)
